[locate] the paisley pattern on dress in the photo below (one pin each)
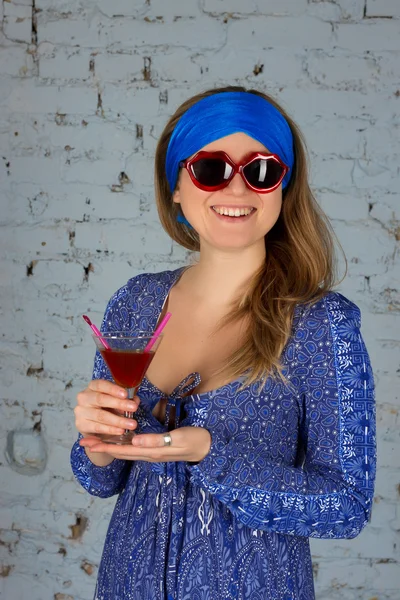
(289, 460)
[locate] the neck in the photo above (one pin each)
(219, 276)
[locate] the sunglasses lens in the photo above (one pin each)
(263, 173)
(211, 172)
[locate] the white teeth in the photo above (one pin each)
(232, 212)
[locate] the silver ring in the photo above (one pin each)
(167, 439)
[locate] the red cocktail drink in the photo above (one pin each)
(128, 360)
(127, 366)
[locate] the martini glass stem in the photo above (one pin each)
(128, 414)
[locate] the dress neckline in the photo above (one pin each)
(198, 394)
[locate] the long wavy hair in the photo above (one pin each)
(300, 263)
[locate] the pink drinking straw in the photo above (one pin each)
(158, 332)
(96, 331)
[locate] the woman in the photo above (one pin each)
(256, 416)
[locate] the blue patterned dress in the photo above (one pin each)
(287, 462)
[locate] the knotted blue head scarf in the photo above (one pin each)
(222, 114)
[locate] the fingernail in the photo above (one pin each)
(122, 393)
(131, 406)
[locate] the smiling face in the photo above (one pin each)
(234, 217)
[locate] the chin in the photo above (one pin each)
(232, 243)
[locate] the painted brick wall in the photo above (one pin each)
(85, 89)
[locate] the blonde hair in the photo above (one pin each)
(299, 267)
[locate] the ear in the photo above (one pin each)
(176, 196)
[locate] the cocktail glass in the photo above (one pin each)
(128, 360)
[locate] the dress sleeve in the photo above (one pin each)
(330, 494)
(109, 480)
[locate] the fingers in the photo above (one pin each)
(149, 440)
(106, 399)
(148, 447)
(89, 442)
(105, 394)
(107, 405)
(107, 387)
(190, 444)
(100, 408)
(187, 444)
(128, 452)
(94, 421)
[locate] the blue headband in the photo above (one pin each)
(222, 114)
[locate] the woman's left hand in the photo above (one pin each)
(190, 444)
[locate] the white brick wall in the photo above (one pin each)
(85, 89)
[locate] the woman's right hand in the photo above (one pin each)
(100, 409)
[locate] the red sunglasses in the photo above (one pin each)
(211, 171)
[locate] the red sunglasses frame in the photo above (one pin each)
(236, 168)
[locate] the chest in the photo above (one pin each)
(193, 341)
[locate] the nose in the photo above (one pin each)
(237, 186)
